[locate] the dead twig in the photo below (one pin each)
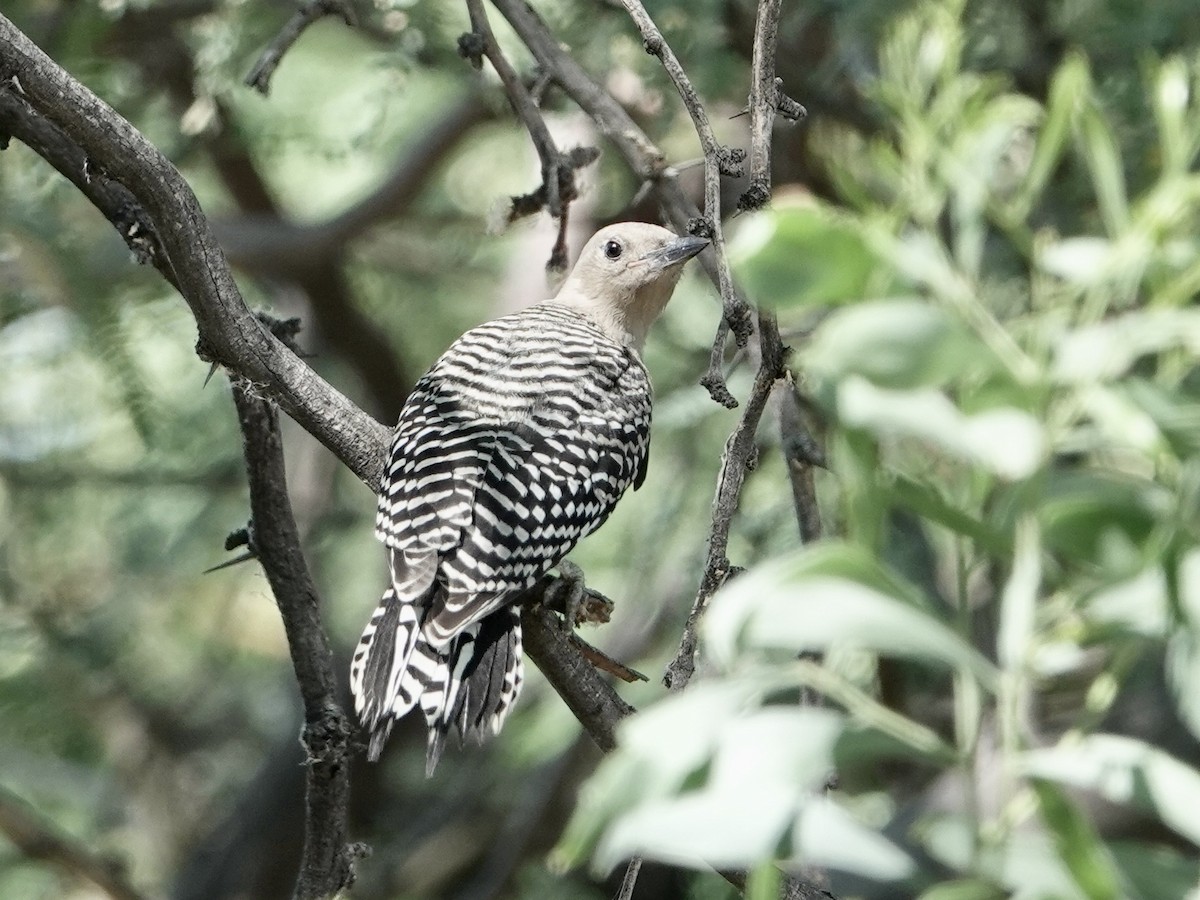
(740, 452)
(801, 454)
(259, 76)
(718, 160)
(328, 859)
(765, 91)
(558, 171)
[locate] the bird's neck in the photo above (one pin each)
(626, 320)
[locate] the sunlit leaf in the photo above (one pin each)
(1128, 771)
(898, 343)
(1078, 844)
(694, 830)
(1006, 441)
(827, 836)
(780, 605)
(1108, 349)
(801, 254)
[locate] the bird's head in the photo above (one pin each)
(625, 275)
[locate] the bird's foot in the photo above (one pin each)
(569, 595)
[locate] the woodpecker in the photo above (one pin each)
(515, 444)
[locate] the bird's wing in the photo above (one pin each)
(515, 445)
(549, 482)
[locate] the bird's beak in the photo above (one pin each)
(677, 251)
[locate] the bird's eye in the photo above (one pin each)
(613, 249)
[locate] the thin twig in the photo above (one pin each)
(259, 77)
(740, 451)
(763, 100)
(327, 863)
(714, 379)
(718, 160)
(558, 170)
(523, 105)
(39, 839)
(801, 454)
(614, 123)
(629, 882)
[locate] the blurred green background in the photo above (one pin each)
(982, 250)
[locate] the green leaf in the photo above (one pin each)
(1080, 260)
(1070, 85)
(1156, 872)
(1084, 513)
(801, 255)
(1171, 108)
(1103, 157)
(1183, 647)
(1006, 441)
(1125, 770)
(710, 747)
(1107, 350)
(783, 605)
(825, 835)
(1176, 415)
(721, 828)
(1137, 604)
(638, 771)
(926, 501)
(902, 343)
(964, 889)
(1024, 862)
(1078, 844)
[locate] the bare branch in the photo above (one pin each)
(41, 840)
(718, 160)
(327, 863)
(801, 454)
(582, 687)
(19, 120)
(740, 453)
(764, 94)
(229, 334)
(638, 151)
(259, 77)
(714, 379)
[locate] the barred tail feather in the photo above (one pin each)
(476, 684)
(381, 691)
(468, 685)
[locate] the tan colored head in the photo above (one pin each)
(625, 275)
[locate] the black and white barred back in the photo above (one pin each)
(516, 444)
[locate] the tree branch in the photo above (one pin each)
(229, 334)
(740, 453)
(801, 454)
(259, 77)
(635, 148)
(558, 178)
(39, 839)
(764, 93)
(327, 862)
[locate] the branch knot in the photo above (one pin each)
(471, 47)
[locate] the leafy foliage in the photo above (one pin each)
(999, 333)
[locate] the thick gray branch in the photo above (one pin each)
(229, 334)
